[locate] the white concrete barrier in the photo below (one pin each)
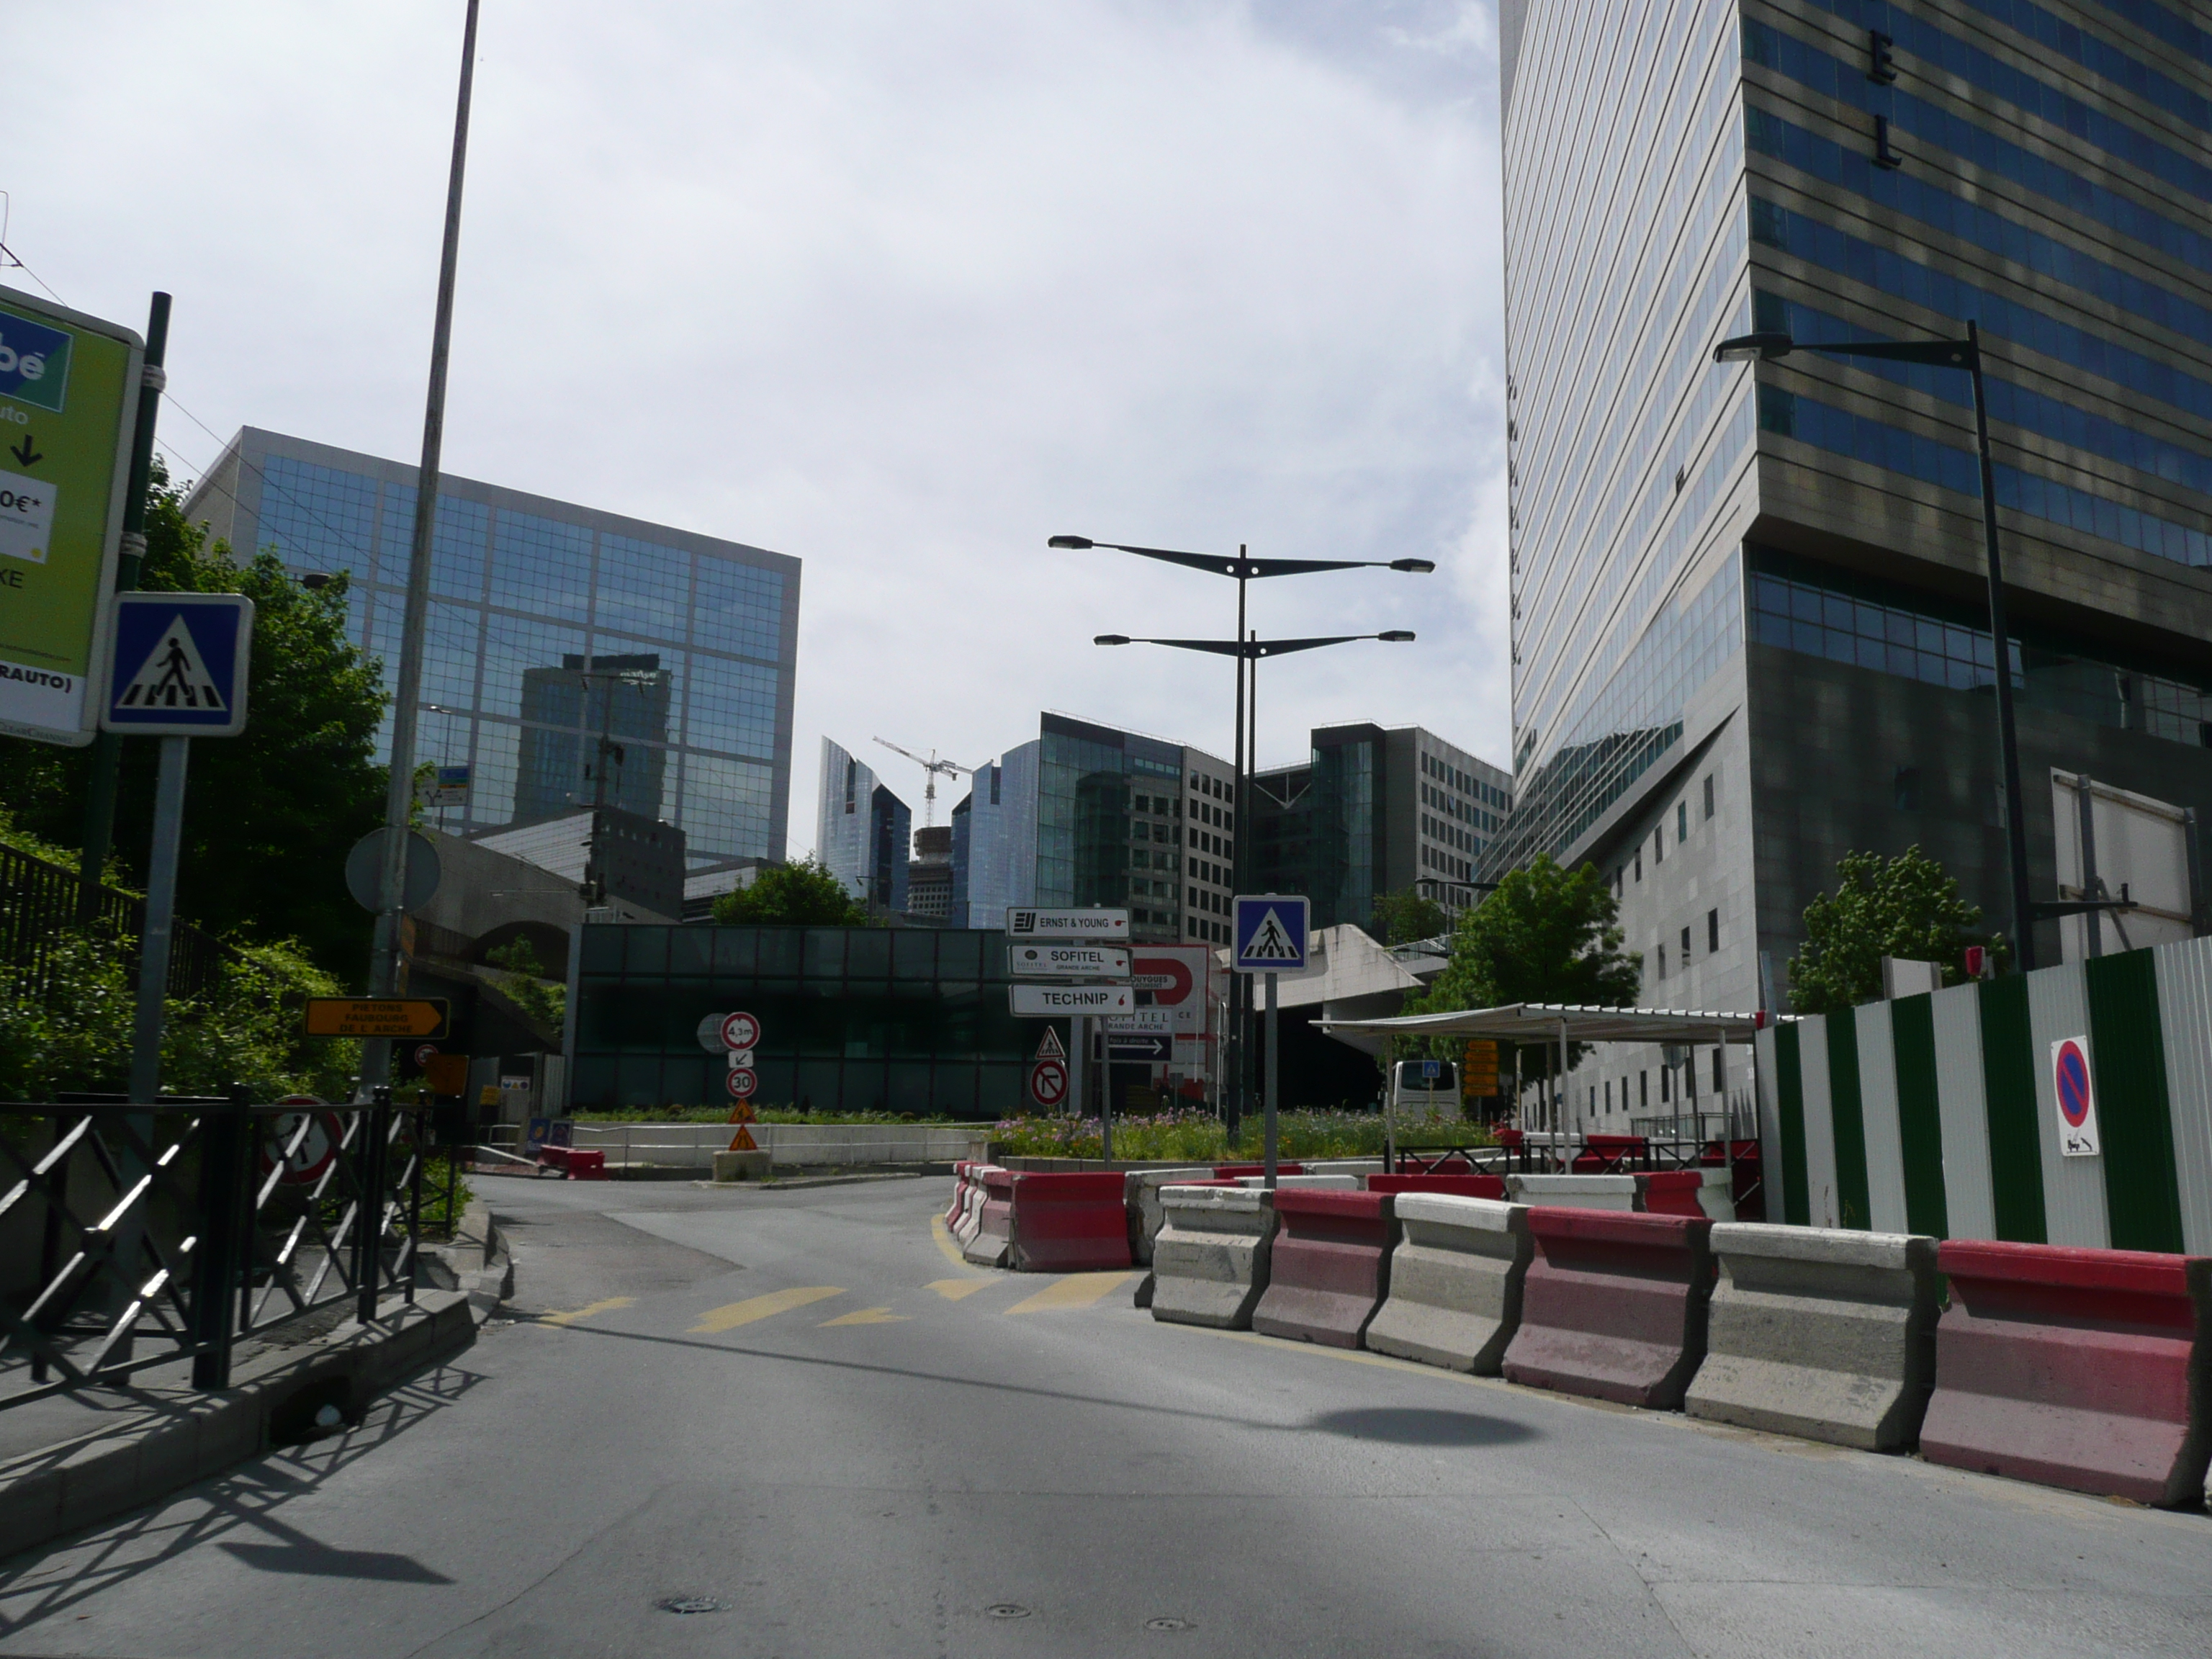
(1143, 1197)
(971, 1205)
(1825, 1332)
(1211, 1257)
(1351, 1166)
(1455, 1282)
(1327, 1183)
(1575, 1192)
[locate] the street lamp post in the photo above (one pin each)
(1242, 570)
(1247, 651)
(1769, 344)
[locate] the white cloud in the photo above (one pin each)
(901, 293)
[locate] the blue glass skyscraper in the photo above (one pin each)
(572, 656)
(1749, 628)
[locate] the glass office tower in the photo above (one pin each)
(1750, 629)
(561, 639)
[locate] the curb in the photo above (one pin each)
(173, 1444)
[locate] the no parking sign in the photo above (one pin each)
(2075, 1096)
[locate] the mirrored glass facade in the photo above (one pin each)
(1748, 599)
(571, 656)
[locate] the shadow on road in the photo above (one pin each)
(1418, 1425)
(51, 1581)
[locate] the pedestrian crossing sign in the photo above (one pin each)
(177, 664)
(1270, 934)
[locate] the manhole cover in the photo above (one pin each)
(1007, 1610)
(1171, 1624)
(692, 1604)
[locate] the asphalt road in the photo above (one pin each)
(799, 1407)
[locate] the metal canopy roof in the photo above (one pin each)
(1547, 1022)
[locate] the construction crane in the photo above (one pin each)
(933, 766)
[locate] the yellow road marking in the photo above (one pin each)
(574, 1313)
(946, 1245)
(953, 1289)
(760, 1307)
(1072, 1291)
(866, 1316)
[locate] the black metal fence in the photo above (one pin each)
(133, 1236)
(39, 905)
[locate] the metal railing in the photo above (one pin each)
(39, 905)
(138, 1235)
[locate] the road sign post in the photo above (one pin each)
(1091, 945)
(1269, 935)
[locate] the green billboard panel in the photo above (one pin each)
(69, 399)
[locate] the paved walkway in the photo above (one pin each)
(799, 1409)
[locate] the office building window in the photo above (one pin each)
(1709, 795)
(1713, 931)
(1686, 947)
(1681, 822)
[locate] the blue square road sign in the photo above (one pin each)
(177, 664)
(1270, 932)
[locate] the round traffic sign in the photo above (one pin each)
(1049, 1082)
(2071, 1067)
(710, 1033)
(306, 1162)
(740, 1031)
(425, 1053)
(743, 1083)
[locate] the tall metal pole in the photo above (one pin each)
(399, 796)
(107, 747)
(161, 911)
(2023, 908)
(1235, 1033)
(1274, 1084)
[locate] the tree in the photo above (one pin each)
(1546, 934)
(543, 1000)
(1407, 915)
(804, 893)
(270, 813)
(1907, 907)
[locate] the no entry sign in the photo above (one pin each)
(2075, 1096)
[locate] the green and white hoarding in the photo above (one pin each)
(2072, 1105)
(68, 399)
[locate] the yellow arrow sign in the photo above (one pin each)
(378, 1017)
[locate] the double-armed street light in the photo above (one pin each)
(1247, 651)
(1769, 344)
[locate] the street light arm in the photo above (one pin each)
(1244, 569)
(1253, 650)
(1769, 344)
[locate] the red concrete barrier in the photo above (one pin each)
(1672, 1192)
(577, 1165)
(1613, 1305)
(1069, 1223)
(959, 1182)
(1468, 1185)
(1330, 1268)
(1416, 1163)
(1610, 1154)
(1231, 1170)
(2078, 1368)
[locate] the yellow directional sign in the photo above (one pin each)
(378, 1017)
(1480, 1069)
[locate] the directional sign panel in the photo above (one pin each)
(1099, 926)
(1067, 962)
(378, 1017)
(1047, 1000)
(68, 399)
(1155, 1022)
(1270, 934)
(1127, 1046)
(2075, 1096)
(176, 664)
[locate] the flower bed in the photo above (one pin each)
(1201, 1138)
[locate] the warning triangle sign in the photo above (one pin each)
(1050, 1049)
(1271, 941)
(174, 675)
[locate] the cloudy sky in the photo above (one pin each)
(899, 290)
